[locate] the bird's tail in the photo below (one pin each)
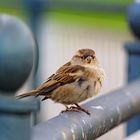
(31, 93)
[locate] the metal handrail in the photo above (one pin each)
(107, 112)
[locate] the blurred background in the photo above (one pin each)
(61, 27)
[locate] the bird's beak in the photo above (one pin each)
(88, 59)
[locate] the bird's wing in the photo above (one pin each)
(60, 69)
(63, 67)
(64, 75)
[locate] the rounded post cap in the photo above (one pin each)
(17, 52)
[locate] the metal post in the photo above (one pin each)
(107, 111)
(35, 9)
(133, 51)
(17, 48)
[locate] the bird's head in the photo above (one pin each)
(85, 57)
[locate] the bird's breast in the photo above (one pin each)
(83, 88)
(96, 77)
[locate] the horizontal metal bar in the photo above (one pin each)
(133, 50)
(107, 112)
(8, 104)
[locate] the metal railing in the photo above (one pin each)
(16, 63)
(107, 112)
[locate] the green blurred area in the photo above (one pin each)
(120, 2)
(19, 2)
(98, 20)
(93, 19)
(15, 12)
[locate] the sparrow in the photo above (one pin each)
(77, 80)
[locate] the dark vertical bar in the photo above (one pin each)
(133, 50)
(35, 8)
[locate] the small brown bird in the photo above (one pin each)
(79, 79)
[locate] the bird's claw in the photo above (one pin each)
(75, 109)
(80, 109)
(70, 109)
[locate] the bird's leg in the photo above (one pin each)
(76, 108)
(81, 109)
(70, 109)
(67, 109)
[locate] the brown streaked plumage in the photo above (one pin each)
(74, 82)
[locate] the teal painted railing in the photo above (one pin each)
(17, 49)
(17, 57)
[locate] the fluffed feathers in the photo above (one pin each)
(76, 81)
